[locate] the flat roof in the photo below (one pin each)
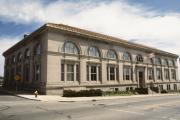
(88, 34)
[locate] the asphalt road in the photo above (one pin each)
(147, 108)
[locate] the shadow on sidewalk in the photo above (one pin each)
(13, 92)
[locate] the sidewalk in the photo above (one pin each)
(55, 98)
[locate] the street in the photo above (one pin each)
(148, 108)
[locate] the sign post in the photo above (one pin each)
(17, 78)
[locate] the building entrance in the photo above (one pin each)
(141, 77)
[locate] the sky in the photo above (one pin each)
(154, 23)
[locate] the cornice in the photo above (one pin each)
(25, 40)
(106, 38)
(91, 35)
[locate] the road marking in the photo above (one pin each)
(160, 104)
(118, 110)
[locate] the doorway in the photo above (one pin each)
(140, 75)
(141, 79)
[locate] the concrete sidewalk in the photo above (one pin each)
(55, 98)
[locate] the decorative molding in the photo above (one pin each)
(87, 34)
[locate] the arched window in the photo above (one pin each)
(13, 59)
(139, 58)
(171, 63)
(174, 64)
(27, 53)
(127, 56)
(164, 62)
(111, 54)
(158, 61)
(37, 49)
(70, 47)
(19, 57)
(150, 60)
(93, 51)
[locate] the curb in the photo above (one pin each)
(81, 99)
(97, 99)
(28, 98)
(14, 94)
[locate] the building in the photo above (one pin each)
(1, 80)
(56, 57)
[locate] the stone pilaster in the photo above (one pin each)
(177, 75)
(104, 72)
(83, 70)
(115, 73)
(97, 73)
(74, 72)
(89, 67)
(108, 72)
(120, 72)
(170, 76)
(65, 72)
(134, 73)
(31, 66)
(154, 71)
(60, 62)
(145, 75)
(163, 74)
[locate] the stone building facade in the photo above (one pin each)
(56, 57)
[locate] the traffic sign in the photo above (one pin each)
(17, 77)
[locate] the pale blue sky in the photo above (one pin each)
(12, 28)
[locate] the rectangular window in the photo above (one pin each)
(70, 72)
(87, 72)
(7, 75)
(117, 74)
(127, 73)
(37, 72)
(112, 73)
(18, 70)
(161, 87)
(166, 74)
(62, 72)
(26, 72)
(168, 87)
(93, 73)
(173, 74)
(127, 88)
(158, 73)
(99, 72)
(150, 74)
(107, 73)
(12, 74)
(175, 86)
(77, 72)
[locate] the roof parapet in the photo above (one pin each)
(89, 34)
